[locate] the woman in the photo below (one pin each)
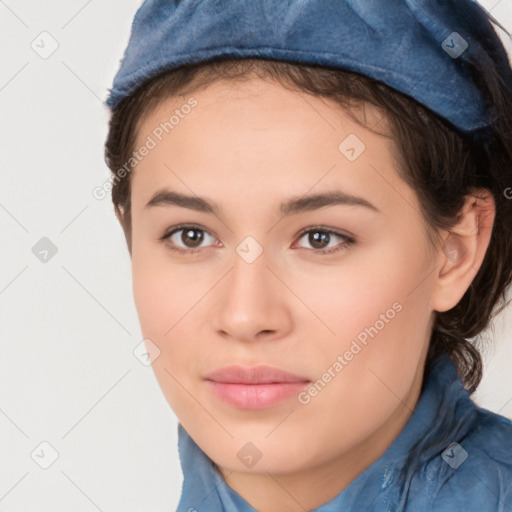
(316, 200)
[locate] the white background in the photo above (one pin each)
(69, 326)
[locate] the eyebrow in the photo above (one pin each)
(293, 206)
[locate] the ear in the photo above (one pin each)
(463, 250)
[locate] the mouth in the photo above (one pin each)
(258, 387)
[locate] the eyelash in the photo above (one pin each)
(348, 241)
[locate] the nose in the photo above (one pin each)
(252, 303)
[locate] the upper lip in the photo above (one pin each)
(253, 375)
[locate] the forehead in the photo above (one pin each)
(251, 94)
(257, 137)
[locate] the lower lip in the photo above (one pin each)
(256, 396)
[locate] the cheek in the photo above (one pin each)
(383, 285)
(170, 301)
(380, 313)
(161, 291)
(378, 307)
(164, 298)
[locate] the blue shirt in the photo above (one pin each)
(456, 456)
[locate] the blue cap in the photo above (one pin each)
(422, 48)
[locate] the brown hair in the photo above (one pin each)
(442, 164)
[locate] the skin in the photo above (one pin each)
(248, 147)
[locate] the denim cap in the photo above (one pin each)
(422, 48)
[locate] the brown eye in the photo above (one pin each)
(186, 239)
(319, 239)
(192, 237)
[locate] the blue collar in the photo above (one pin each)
(443, 411)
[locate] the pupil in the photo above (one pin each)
(318, 237)
(195, 240)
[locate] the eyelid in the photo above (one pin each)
(326, 229)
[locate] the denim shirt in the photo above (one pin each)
(450, 456)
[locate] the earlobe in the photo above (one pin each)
(463, 251)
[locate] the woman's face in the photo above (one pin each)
(338, 293)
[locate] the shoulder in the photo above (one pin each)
(474, 472)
